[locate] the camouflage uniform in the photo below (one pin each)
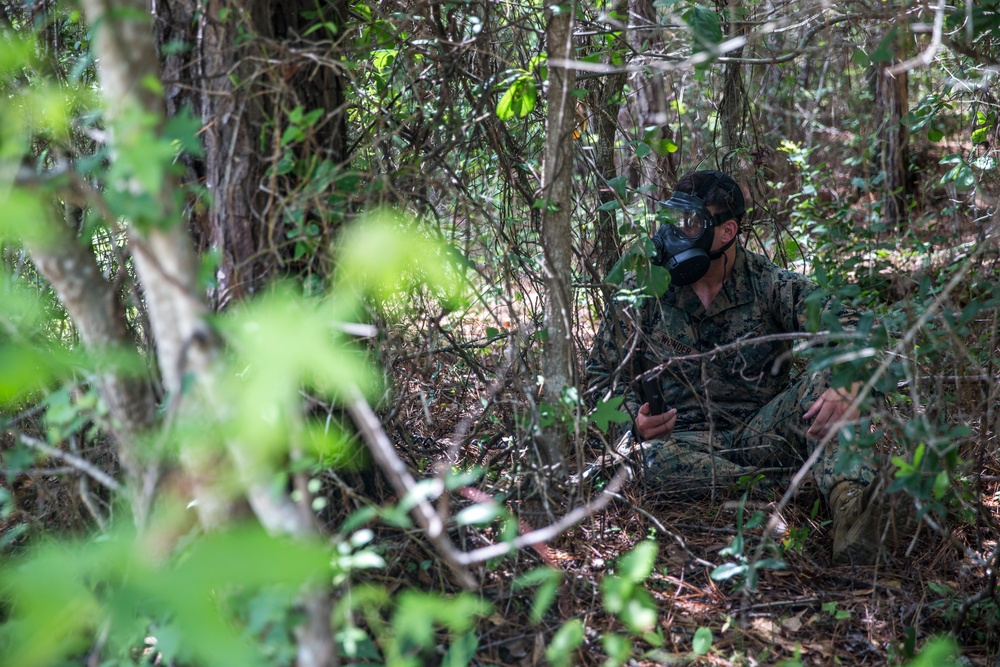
(738, 412)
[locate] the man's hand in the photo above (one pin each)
(655, 426)
(832, 406)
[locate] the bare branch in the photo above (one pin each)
(549, 532)
(401, 479)
(926, 57)
(77, 462)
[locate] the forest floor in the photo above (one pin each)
(809, 612)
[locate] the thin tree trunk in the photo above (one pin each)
(893, 139)
(651, 107)
(558, 359)
(92, 303)
(607, 96)
(734, 100)
(165, 263)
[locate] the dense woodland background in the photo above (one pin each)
(296, 297)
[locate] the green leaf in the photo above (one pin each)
(985, 162)
(566, 640)
(935, 135)
(547, 579)
(519, 100)
(702, 641)
(706, 30)
(384, 255)
(478, 514)
(62, 592)
(641, 149)
(727, 571)
(637, 564)
(457, 479)
(382, 58)
(639, 614)
(612, 205)
(886, 49)
(663, 147)
(333, 448)
(939, 652)
(615, 593)
(461, 651)
(619, 183)
(965, 178)
(280, 342)
(25, 369)
(617, 273)
(607, 412)
(418, 613)
(617, 647)
(654, 279)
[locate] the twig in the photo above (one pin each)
(429, 520)
(569, 520)
(818, 337)
(987, 591)
(80, 464)
(84, 488)
(663, 529)
(401, 479)
(471, 345)
(926, 56)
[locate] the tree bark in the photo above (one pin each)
(651, 107)
(242, 98)
(893, 139)
(607, 96)
(734, 100)
(558, 359)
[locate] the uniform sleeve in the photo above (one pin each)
(801, 305)
(611, 365)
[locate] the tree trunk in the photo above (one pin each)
(165, 264)
(893, 139)
(651, 108)
(92, 303)
(607, 96)
(558, 360)
(732, 108)
(243, 104)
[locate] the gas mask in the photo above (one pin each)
(683, 247)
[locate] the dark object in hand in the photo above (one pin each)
(651, 391)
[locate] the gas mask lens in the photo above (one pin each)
(690, 225)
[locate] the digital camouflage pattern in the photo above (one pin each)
(737, 409)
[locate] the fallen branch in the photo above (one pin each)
(75, 461)
(569, 520)
(401, 479)
(428, 518)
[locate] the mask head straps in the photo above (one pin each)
(724, 182)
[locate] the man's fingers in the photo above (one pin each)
(651, 426)
(813, 409)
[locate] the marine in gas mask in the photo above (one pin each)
(684, 246)
(702, 372)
